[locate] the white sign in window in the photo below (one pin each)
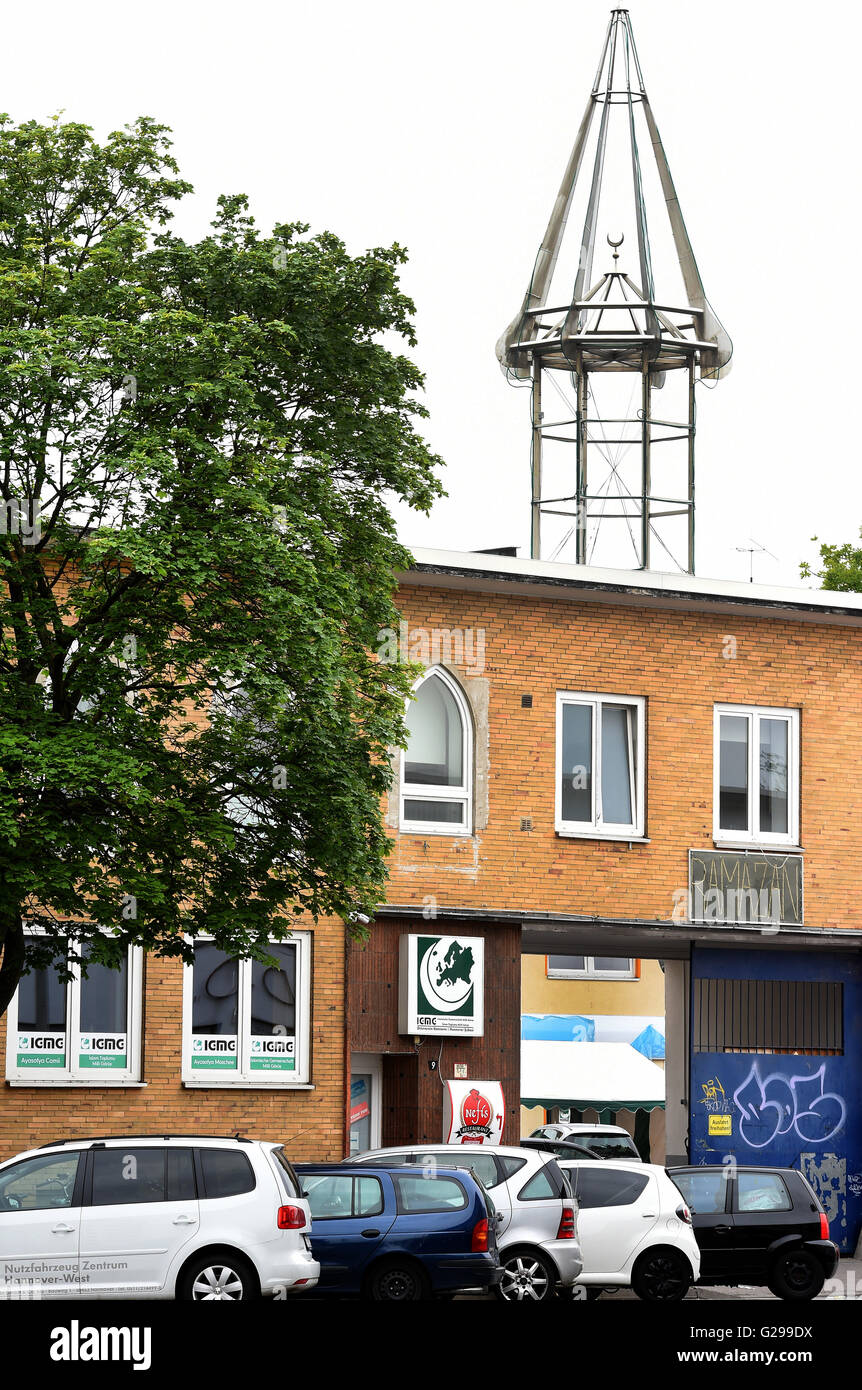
(756, 775)
(246, 1023)
(600, 765)
(84, 1030)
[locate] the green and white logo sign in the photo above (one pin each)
(442, 986)
(273, 1053)
(41, 1050)
(100, 1051)
(213, 1052)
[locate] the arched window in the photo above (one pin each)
(437, 765)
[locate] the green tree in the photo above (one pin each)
(841, 567)
(193, 733)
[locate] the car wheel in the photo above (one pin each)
(526, 1277)
(219, 1278)
(796, 1276)
(397, 1283)
(661, 1276)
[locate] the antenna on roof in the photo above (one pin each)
(755, 548)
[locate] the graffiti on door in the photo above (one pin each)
(777, 1104)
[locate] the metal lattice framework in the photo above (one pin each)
(611, 326)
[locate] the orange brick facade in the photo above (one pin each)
(675, 660)
(313, 1120)
(540, 636)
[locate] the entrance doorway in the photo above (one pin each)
(365, 1089)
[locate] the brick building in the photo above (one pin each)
(512, 832)
(725, 723)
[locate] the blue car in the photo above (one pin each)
(397, 1235)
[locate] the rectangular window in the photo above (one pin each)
(247, 1024)
(756, 770)
(769, 1016)
(84, 1031)
(600, 765)
(591, 968)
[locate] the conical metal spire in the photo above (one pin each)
(574, 330)
(620, 127)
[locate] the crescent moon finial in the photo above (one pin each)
(615, 244)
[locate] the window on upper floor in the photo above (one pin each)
(437, 764)
(591, 968)
(600, 765)
(756, 775)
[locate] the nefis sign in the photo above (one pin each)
(474, 1112)
(441, 986)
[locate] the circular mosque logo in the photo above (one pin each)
(446, 974)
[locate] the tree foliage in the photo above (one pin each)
(194, 732)
(841, 567)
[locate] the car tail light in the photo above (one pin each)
(683, 1213)
(567, 1223)
(824, 1226)
(291, 1219)
(479, 1243)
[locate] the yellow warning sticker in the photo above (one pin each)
(720, 1124)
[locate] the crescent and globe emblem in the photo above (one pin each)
(445, 989)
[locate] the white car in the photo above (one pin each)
(154, 1216)
(608, 1141)
(634, 1228)
(537, 1236)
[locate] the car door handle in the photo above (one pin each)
(372, 1231)
(648, 1215)
(184, 1221)
(722, 1230)
(63, 1230)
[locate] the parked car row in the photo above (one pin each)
(214, 1218)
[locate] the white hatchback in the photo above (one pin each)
(634, 1229)
(154, 1216)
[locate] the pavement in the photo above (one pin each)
(845, 1284)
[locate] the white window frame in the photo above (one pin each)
(754, 836)
(243, 1077)
(589, 972)
(597, 827)
(411, 791)
(71, 1074)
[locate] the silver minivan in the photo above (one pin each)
(537, 1234)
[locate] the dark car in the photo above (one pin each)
(759, 1226)
(399, 1234)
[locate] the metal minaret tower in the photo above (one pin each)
(595, 355)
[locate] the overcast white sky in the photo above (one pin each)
(446, 127)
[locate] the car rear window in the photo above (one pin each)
(287, 1174)
(704, 1192)
(762, 1192)
(481, 1165)
(123, 1176)
(602, 1187)
(548, 1182)
(608, 1145)
(428, 1194)
(510, 1165)
(226, 1173)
